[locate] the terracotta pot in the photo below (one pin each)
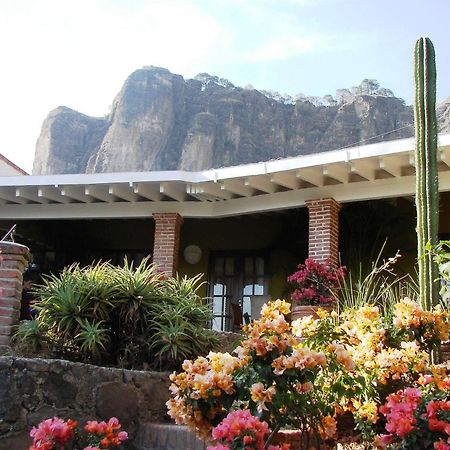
(300, 311)
(291, 437)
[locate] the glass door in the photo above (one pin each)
(233, 279)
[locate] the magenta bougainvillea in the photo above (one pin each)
(313, 282)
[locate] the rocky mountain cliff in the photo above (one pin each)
(160, 121)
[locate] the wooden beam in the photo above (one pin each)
(149, 191)
(76, 193)
(287, 180)
(263, 183)
(337, 172)
(238, 188)
(174, 191)
(390, 167)
(312, 175)
(123, 191)
(363, 169)
(52, 193)
(30, 193)
(99, 192)
(9, 194)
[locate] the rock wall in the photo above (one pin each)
(160, 121)
(35, 389)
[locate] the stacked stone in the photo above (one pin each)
(13, 260)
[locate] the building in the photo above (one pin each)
(9, 169)
(244, 227)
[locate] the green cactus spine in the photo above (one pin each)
(427, 189)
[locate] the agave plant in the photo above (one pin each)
(137, 289)
(30, 336)
(92, 339)
(125, 315)
(179, 322)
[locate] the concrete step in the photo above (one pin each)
(162, 436)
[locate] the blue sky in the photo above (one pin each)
(78, 52)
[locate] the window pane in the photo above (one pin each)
(217, 324)
(259, 289)
(248, 289)
(218, 305)
(218, 289)
(246, 308)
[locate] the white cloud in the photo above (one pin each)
(78, 53)
(284, 47)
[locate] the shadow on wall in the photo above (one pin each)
(366, 226)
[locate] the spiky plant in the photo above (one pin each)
(427, 190)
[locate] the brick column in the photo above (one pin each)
(13, 260)
(324, 230)
(167, 242)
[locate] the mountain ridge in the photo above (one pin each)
(161, 121)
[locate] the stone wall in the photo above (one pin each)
(36, 389)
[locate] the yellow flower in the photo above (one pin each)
(368, 411)
(262, 396)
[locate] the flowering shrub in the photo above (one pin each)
(273, 376)
(56, 434)
(347, 363)
(314, 281)
(241, 430)
(418, 417)
(387, 352)
(429, 328)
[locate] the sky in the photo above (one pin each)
(78, 53)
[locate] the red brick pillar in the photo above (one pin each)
(13, 260)
(167, 242)
(324, 230)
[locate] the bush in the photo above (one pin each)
(308, 374)
(126, 316)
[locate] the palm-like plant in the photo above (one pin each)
(125, 315)
(137, 289)
(31, 335)
(92, 338)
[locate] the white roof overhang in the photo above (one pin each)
(367, 172)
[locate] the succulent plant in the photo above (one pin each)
(427, 189)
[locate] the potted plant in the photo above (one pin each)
(313, 284)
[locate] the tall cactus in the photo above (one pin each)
(427, 190)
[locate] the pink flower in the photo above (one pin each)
(399, 410)
(218, 447)
(314, 281)
(51, 431)
(114, 423)
(123, 435)
(441, 445)
(386, 439)
(241, 427)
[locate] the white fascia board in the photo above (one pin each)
(351, 192)
(103, 178)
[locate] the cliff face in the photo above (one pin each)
(159, 121)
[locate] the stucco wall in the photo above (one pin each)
(35, 389)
